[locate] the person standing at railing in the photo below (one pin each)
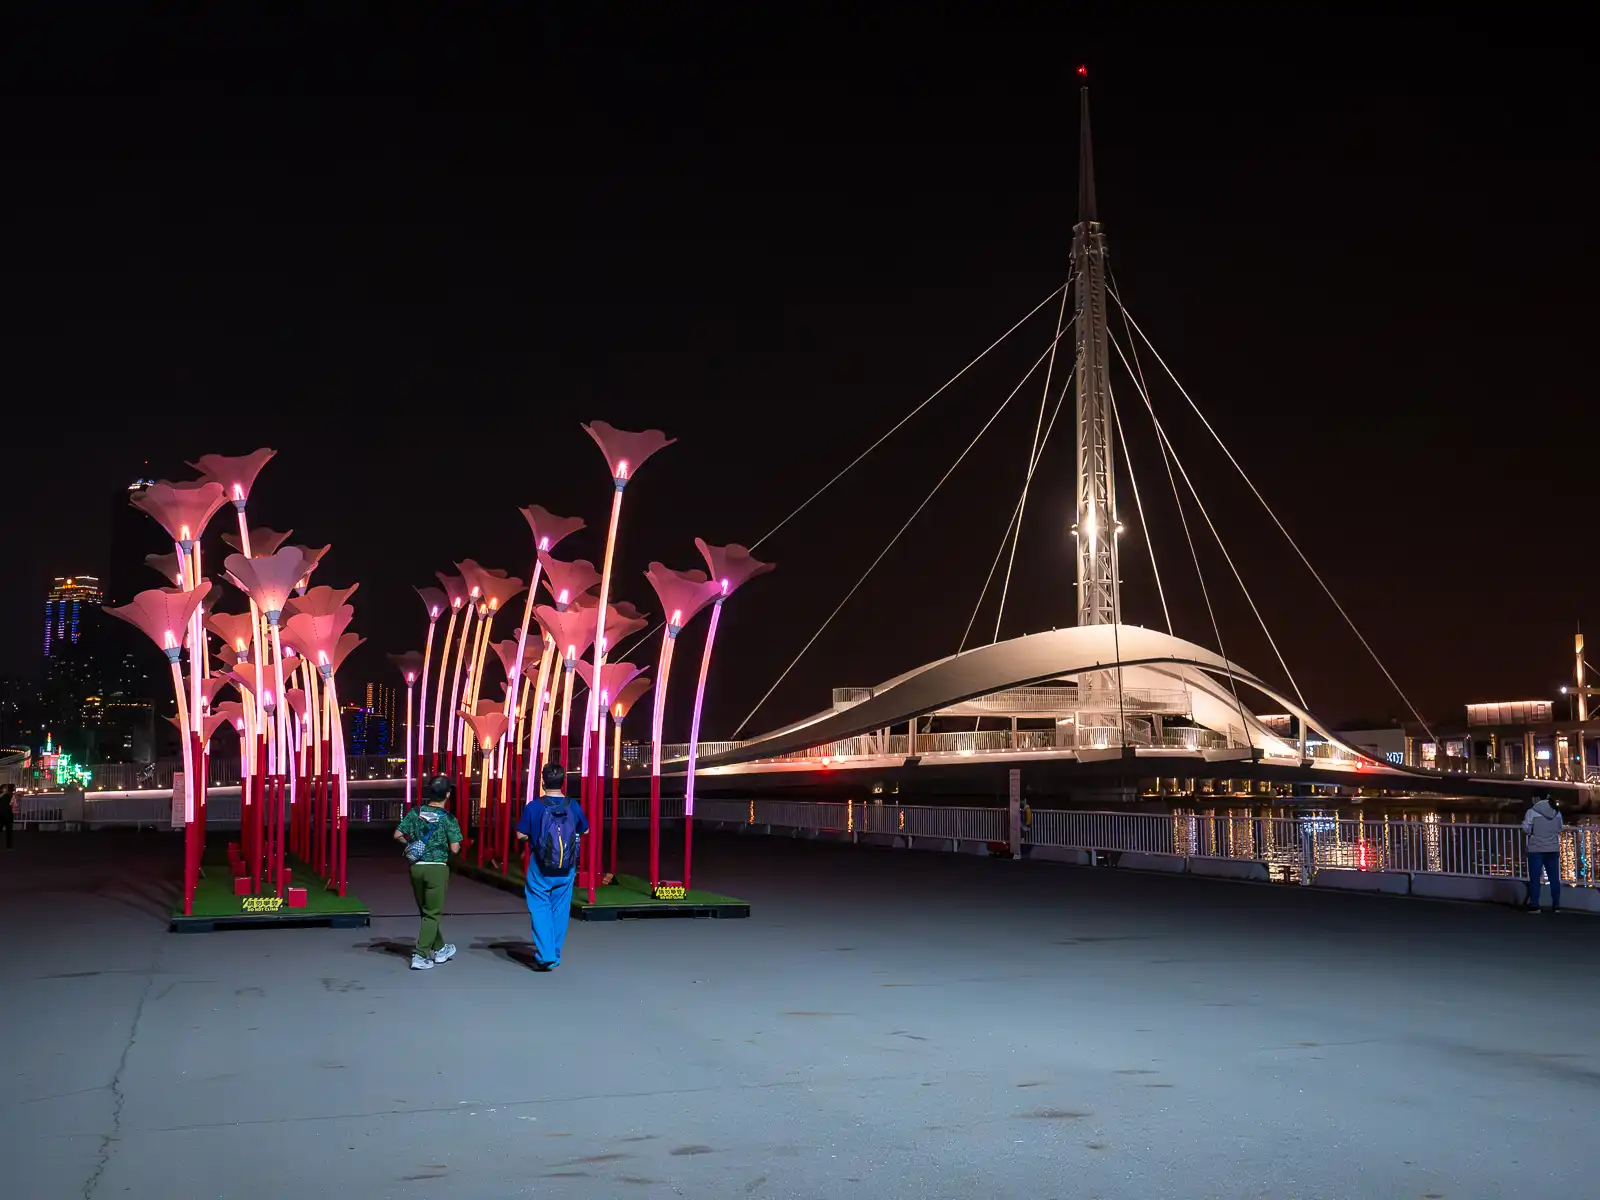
(8, 816)
(1542, 825)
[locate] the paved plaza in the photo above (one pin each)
(887, 1024)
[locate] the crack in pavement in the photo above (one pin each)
(118, 1097)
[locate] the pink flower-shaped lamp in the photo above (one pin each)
(209, 724)
(236, 476)
(209, 689)
(506, 652)
(614, 676)
(166, 565)
(549, 531)
(320, 600)
(568, 580)
(317, 637)
(489, 722)
(163, 614)
(628, 696)
(183, 509)
(227, 656)
(622, 619)
(408, 664)
(682, 594)
(314, 555)
(455, 588)
(255, 679)
(232, 710)
(233, 628)
(268, 580)
(472, 574)
(625, 452)
(572, 630)
(296, 699)
(347, 643)
(499, 588)
(731, 565)
(263, 541)
(434, 600)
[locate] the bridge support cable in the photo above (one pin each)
(937, 392)
(1194, 552)
(993, 417)
(1016, 516)
(1295, 546)
(1033, 456)
(1138, 504)
(1215, 533)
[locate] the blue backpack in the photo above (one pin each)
(556, 849)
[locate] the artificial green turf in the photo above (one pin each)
(627, 890)
(213, 895)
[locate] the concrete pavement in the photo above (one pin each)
(887, 1023)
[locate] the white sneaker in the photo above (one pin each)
(419, 963)
(445, 952)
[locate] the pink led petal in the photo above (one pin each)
(506, 652)
(626, 452)
(347, 643)
(317, 637)
(630, 693)
(269, 579)
(571, 628)
(162, 613)
(434, 600)
(235, 475)
(574, 578)
(622, 619)
(183, 509)
(455, 587)
(614, 676)
(263, 541)
(489, 722)
(682, 593)
(232, 628)
(549, 531)
(731, 565)
(408, 664)
(320, 600)
(166, 566)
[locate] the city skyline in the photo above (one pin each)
(876, 275)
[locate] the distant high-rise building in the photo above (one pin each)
(64, 610)
(381, 700)
(367, 731)
(74, 660)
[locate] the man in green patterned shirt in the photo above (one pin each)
(436, 836)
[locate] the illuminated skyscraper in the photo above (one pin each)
(64, 613)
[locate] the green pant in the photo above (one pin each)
(428, 882)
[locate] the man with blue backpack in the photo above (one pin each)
(551, 826)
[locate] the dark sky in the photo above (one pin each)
(413, 257)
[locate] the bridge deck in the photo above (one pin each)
(886, 1024)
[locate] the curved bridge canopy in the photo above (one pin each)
(1145, 656)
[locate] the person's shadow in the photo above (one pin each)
(387, 946)
(512, 951)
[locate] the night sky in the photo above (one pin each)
(413, 257)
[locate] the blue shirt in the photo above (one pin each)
(533, 816)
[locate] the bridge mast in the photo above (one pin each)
(1099, 602)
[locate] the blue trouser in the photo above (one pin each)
(1549, 862)
(550, 906)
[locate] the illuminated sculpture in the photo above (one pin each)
(410, 665)
(488, 725)
(164, 615)
(571, 631)
(614, 676)
(435, 601)
(321, 639)
(730, 566)
(455, 588)
(257, 541)
(621, 705)
(549, 531)
(682, 594)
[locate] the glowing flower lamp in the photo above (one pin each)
(731, 566)
(257, 541)
(411, 665)
(682, 595)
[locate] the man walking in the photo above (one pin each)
(551, 826)
(8, 814)
(430, 836)
(1543, 827)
